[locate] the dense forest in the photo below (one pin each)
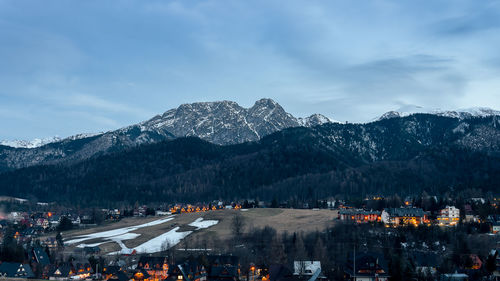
(399, 155)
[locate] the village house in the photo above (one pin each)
(75, 220)
(140, 211)
(223, 267)
(470, 216)
(114, 273)
(495, 253)
(15, 270)
(187, 271)
(39, 261)
(42, 222)
(476, 262)
(495, 228)
(140, 275)
(404, 216)
(359, 216)
(54, 220)
(61, 272)
(69, 271)
(156, 268)
(113, 214)
(448, 216)
(49, 242)
(309, 269)
(426, 263)
(366, 267)
(83, 270)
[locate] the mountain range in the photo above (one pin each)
(221, 123)
(404, 155)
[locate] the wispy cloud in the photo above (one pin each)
(97, 103)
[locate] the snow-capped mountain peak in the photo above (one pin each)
(37, 142)
(315, 120)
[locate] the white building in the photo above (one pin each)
(449, 216)
(306, 267)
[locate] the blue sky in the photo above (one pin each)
(68, 67)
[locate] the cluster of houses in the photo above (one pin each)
(448, 216)
(143, 211)
(39, 265)
(401, 216)
(158, 268)
(361, 265)
(31, 226)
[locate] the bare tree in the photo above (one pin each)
(237, 225)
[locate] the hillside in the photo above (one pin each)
(403, 155)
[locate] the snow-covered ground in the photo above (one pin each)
(162, 242)
(157, 244)
(117, 234)
(200, 223)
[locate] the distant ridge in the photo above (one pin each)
(463, 113)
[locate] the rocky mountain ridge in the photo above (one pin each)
(222, 122)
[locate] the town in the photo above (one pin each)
(433, 238)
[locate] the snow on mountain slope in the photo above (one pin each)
(41, 142)
(459, 113)
(315, 120)
(29, 143)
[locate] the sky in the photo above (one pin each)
(69, 67)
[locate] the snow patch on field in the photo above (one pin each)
(200, 223)
(167, 240)
(162, 242)
(117, 234)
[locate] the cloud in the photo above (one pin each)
(126, 61)
(96, 103)
(486, 18)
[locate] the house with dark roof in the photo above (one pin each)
(223, 267)
(115, 273)
(359, 216)
(404, 216)
(39, 261)
(15, 270)
(193, 271)
(187, 271)
(140, 275)
(366, 266)
(156, 267)
(61, 272)
(425, 263)
(223, 272)
(38, 255)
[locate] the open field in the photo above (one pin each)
(147, 234)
